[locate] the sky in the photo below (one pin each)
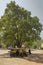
(35, 6)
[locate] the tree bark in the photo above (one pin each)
(18, 43)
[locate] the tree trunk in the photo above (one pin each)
(18, 43)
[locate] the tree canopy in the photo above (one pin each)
(18, 26)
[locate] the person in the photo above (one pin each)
(29, 51)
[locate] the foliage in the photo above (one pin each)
(18, 26)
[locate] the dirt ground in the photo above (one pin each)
(36, 58)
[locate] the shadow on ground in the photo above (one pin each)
(35, 58)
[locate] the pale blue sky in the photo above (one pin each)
(35, 6)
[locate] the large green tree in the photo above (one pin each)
(18, 26)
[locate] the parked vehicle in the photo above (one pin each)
(14, 52)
